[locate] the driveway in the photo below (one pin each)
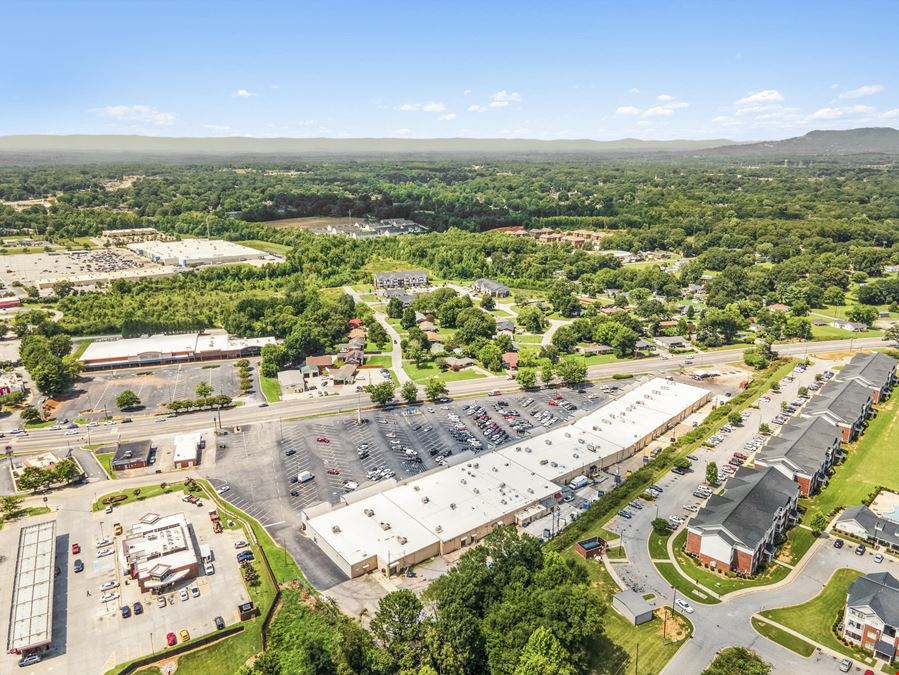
(396, 351)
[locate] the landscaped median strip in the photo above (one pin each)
(782, 637)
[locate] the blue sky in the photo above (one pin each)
(602, 70)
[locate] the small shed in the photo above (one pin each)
(590, 548)
(632, 607)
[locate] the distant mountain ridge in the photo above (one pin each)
(50, 148)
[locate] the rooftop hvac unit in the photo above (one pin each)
(385, 526)
(453, 505)
(503, 502)
(464, 482)
(517, 448)
(554, 464)
(528, 450)
(369, 512)
(476, 491)
(640, 403)
(548, 441)
(416, 487)
(544, 462)
(438, 529)
(567, 435)
(581, 441)
(531, 491)
(425, 500)
(335, 529)
(576, 456)
(476, 465)
(494, 469)
(502, 485)
(402, 540)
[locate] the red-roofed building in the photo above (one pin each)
(778, 307)
(355, 323)
(510, 360)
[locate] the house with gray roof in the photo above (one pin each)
(803, 451)
(875, 370)
(862, 523)
(672, 342)
(404, 298)
(871, 618)
(491, 287)
(410, 279)
(739, 529)
(504, 325)
(847, 403)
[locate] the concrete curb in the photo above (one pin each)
(672, 559)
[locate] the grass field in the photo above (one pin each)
(305, 222)
(722, 585)
(528, 339)
(421, 374)
(380, 360)
(615, 650)
(39, 425)
(267, 246)
(597, 359)
(270, 387)
(799, 541)
(146, 492)
(691, 591)
(814, 618)
(831, 333)
(870, 463)
(616, 553)
(658, 546)
(105, 459)
(783, 638)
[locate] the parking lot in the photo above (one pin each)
(154, 386)
(90, 635)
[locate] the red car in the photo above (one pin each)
(333, 472)
(322, 439)
(553, 402)
(76, 549)
(171, 639)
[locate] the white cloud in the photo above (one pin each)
(766, 96)
(477, 108)
(467, 92)
(890, 114)
(658, 111)
(841, 112)
(136, 113)
(627, 111)
(276, 86)
(447, 117)
(677, 105)
(243, 93)
(633, 90)
(865, 90)
(503, 98)
(665, 97)
(644, 123)
(426, 106)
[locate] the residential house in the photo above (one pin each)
(642, 344)
(404, 298)
(875, 370)
(437, 348)
(861, 522)
(847, 404)
(353, 356)
(356, 333)
(871, 618)
(319, 362)
(803, 451)
(356, 343)
(593, 349)
(504, 325)
(428, 327)
(632, 606)
(852, 326)
(510, 360)
(346, 374)
(739, 529)
(410, 279)
(675, 342)
(491, 287)
(454, 363)
(432, 336)
(778, 307)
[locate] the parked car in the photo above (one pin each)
(625, 514)
(109, 597)
(185, 636)
(138, 608)
(29, 660)
(219, 623)
(79, 566)
(845, 665)
(76, 549)
(171, 639)
(684, 605)
(860, 549)
(126, 611)
(241, 544)
(183, 595)
(838, 543)
(878, 558)
(160, 601)
(323, 439)
(105, 586)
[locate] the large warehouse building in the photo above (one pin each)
(447, 509)
(157, 349)
(195, 252)
(31, 614)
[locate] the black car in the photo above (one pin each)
(294, 493)
(79, 566)
(860, 549)
(838, 543)
(290, 452)
(625, 514)
(126, 611)
(294, 479)
(138, 608)
(219, 623)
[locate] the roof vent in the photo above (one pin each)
(385, 526)
(402, 540)
(549, 442)
(416, 487)
(453, 505)
(464, 482)
(425, 500)
(335, 529)
(476, 491)
(369, 512)
(438, 529)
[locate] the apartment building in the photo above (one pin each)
(803, 451)
(871, 618)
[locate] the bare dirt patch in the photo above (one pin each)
(676, 628)
(305, 222)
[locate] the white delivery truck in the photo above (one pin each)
(305, 476)
(578, 482)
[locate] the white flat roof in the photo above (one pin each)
(31, 615)
(359, 536)
(186, 447)
(560, 451)
(462, 498)
(196, 249)
(129, 347)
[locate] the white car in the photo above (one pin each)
(105, 552)
(684, 605)
(209, 569)
(103, 542)
(194, 591)
(108, 585)
(240, 544)
(71, 432)
(109, 597)
(222, 489)
(183, 594)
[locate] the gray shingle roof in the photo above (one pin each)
(843, 400)
(802, 443)
(748, 506)
(875, 368)
(880, 592)
(883, 529)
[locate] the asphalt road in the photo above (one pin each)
(40, 439)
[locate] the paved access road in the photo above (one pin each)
(148, 427)
(728, 623)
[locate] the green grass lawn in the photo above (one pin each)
(80, 348)
(105, 459)
(815, 618)
(597, 359)
(719, 583)
(363, 289)
(615, 649)
(616, 553)
(368, 297)
(271, 388)
(267, 246)
(870, 463)
(831, 333)
(799, 541)
(380, 360)
(500, 313)
(687, 589)
(783, 638)
(421, 374)
(528, 339)
(658, 546)
(146, 492)
(39, 425)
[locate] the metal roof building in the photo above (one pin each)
(31, 613)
